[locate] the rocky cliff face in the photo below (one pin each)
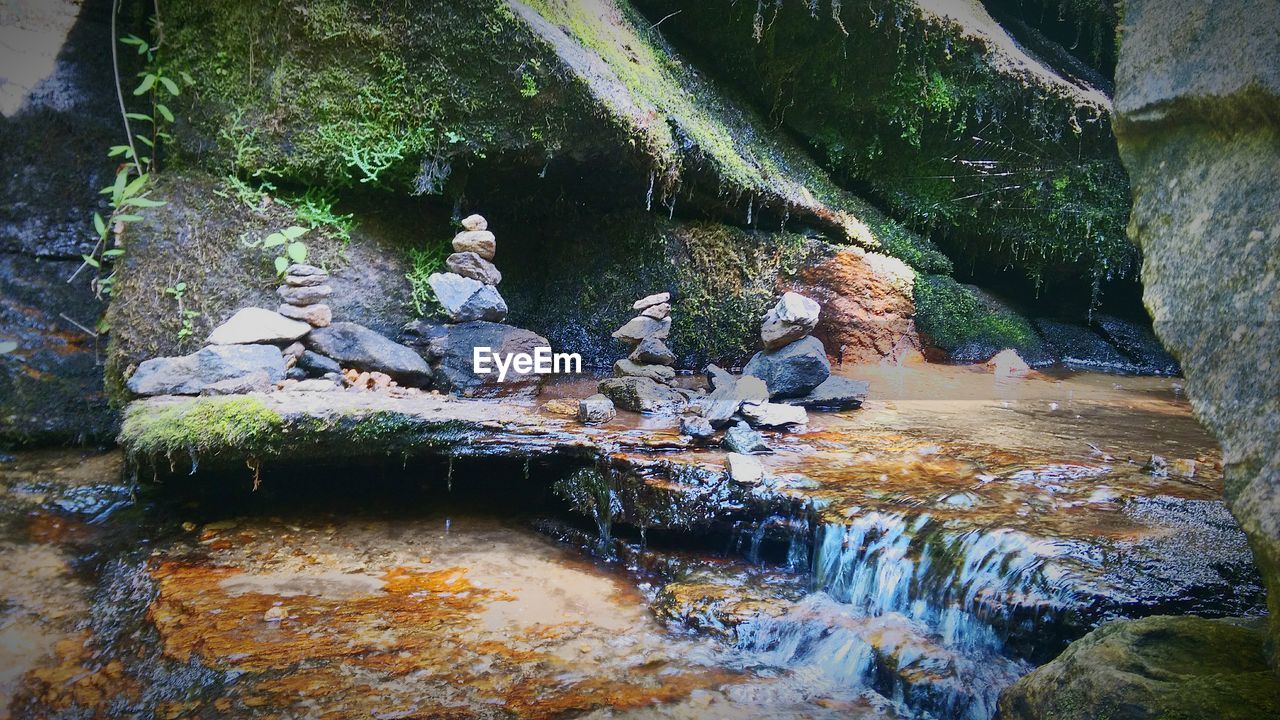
(1198, 106)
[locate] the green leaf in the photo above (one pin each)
(171, 86)
(145, 140)
(118, 150)
(281, 265)
(117, 190)
(100, 225)
(297, 252)
(164, 112)
(180, 287)
(148, 81)
(90, 261)
(127, 218)
(113, 253)
(293, 232)
(132, 188)
(138, 116)
(273, 240)
(186, 77)
(143, 202)
(7, 346)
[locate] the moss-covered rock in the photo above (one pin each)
(939, 114)
(1171, 668)
(971, 326)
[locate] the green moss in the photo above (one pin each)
(952, 318)
(215, 424)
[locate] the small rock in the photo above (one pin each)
(657, 312)
(295, 373)
(475, 222)
(639, 328)
(1157, 465)
(660, 373)
(305, 280)
(835, 393)
(304, 295)
(595, 410)
(480, 242)
(717, 375)
(317, 315)
(1008, 364)
(792, 370)
(744, 469)
(774, 415)
(561, 406)
(740, 438)
(316, 385)
(724, 402)
(652, 351)
(465, 299)
(294, 351)
(1183, 468)
(256, 381)
(651, 300)
(317, 364)
(251, 326)
(641, 395)
(471, 265)
(794, 317)
(189, 374)
(696, 427)
(276, 613)
(301, 269)
(356, 346)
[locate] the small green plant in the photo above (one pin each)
(315, 208)
(186, 318)
(422, 263)
(292, 250)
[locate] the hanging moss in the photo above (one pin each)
(952, 318)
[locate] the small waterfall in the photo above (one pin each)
(915, 610)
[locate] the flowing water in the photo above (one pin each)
(958, 532)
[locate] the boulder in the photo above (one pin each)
(475, 222)
(317, 315)
(1197, 85)
(1138, 342)
(1155, 667)
(304, 295)
(793, 317)
(642, 395)
(730, 393)
(774, 415)
(465, 299)
(696, 427)
(740, 438)
(316, 364)
(450, 350)
(356, 346)
(652, 351)
(835, 393)
(744, 469)
(661, 373)
(480, 242)
(792, 370)
(190, 374)
(595, 410)
(471, 265)
(252, 326)
(639, 328)
(256, 381)
(717, 375)
(651, 300)
(1080, 348)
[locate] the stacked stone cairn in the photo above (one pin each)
(297, 347)
(469, 290)
(642, 380)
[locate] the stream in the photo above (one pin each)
(960, 531)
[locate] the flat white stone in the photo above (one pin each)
(253, 325)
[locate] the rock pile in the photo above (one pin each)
(469, 290)
(794, 365)
(305, 289)
(642, 380)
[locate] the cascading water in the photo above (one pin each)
(915, 610)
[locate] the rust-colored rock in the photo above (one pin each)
(866, 309)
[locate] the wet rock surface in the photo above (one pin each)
(192, 374)
(450, 349)
(353, 345)
(792, 370)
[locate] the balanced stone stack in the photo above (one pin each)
(305, 289)
(794, 365)
(642, 380)
(469, 290)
